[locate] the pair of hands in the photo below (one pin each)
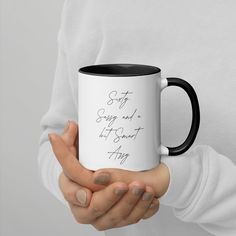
(107, 198)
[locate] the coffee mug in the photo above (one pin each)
(119, 116)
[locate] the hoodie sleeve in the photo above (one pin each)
(202, 190)
(62, 108)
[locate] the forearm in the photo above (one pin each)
(203, 190)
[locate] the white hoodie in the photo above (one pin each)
(194, 40)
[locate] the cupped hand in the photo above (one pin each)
(116, 205)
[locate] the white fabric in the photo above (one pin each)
(194, 40)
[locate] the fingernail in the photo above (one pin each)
(137, 191)
(67, 126)
(147, 196)
(81, 197)
(102, 179)
(119, 191)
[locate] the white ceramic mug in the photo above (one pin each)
(119, 116)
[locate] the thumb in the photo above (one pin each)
(74, 193)
(70, 133)
(70, 164)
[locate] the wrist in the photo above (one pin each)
(163, 179)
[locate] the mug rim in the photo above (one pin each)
(119, 70)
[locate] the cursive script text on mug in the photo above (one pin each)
(117, 155)
(101, 114)
(121, 100)
(113, 123)
(119, 133)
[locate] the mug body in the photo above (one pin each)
(119, 116)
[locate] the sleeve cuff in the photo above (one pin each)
(186, 173)
(178, 178)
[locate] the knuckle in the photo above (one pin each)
(128, 222)
(69, 195)
(149, 214)
(106, 223)
(96, 210)
(81, 219)
(134, 220)
(116, 216)
(99, 226)
(80, 215)
(113, 220)
(122, 215)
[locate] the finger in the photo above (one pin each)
(157, 178)
(74, 193)
(66, 127)
(70, 133)
(115, 175)
(122, 209)
(70, 137)
(125, 175)
(100, 203)
(140, 208)
(152, 210)
(70, 164)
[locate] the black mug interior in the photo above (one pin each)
(119, 70)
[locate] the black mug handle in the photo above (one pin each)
(174, 151)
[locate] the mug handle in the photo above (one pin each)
(174, 151)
